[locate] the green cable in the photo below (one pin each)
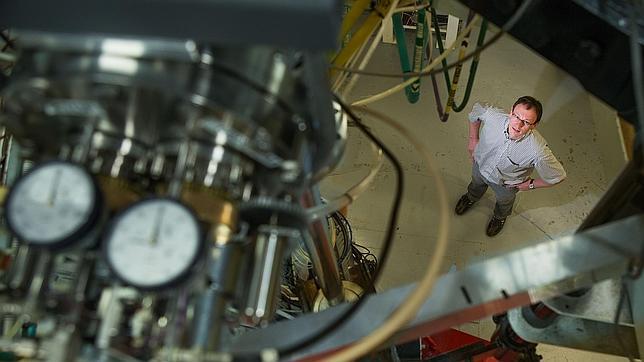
(399, 32)
(441, 49)
(421, 33)
(412, 91)
(473, 66)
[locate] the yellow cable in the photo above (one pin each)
(373, 20)
(408, 309)
(455, 78)
(359, 6)
(341, 77)
(429, 67)
(356, 41)
(376, 40)
(410, 8)
(372, 48)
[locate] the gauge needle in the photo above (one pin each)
(54, 187)
(157, 226)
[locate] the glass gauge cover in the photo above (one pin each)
(54, 205)
(154, 244)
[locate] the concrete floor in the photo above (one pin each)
(581, 131)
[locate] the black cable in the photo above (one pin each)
(341, 227)
(284, 352)
(365, 254)
(347, 233)
(505, 28)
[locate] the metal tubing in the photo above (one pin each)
(209, 320)
(39, 282)
(223, 271)
(320, 249)
(265, 280)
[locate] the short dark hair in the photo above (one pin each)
(529, 103)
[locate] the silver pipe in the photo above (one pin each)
(320, 249)
(223, 272)
(270, 247)
(38, 282)
(211, 307)
(176, 314)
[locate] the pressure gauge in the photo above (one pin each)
(55, 205)
(154, 244)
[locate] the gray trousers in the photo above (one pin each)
(504, 195)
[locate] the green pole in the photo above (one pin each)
(399, 32)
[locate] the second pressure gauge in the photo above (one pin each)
(154, 244)
(54, 205)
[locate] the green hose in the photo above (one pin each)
(473, 66)
(399, 32)
(441, 49)
(412, 91)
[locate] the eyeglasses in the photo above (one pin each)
(525, 123)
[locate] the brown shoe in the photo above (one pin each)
(494, 226)
(463, 205)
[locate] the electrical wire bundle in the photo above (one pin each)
(366, 259)
(343, 236)
(361, 255)
(348, 254)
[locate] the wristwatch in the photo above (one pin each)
(531, 186)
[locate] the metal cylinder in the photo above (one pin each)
(265, 279)
(320, 249)
(223, 272)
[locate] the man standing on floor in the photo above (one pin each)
(504, 152)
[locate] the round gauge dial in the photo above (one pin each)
(153, 243)
(54, 205)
